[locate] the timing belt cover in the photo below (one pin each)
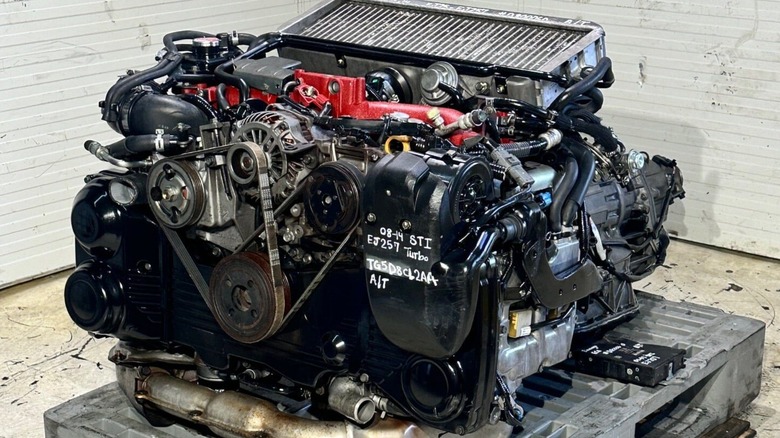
(421, 294)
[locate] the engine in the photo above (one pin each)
(355, 224)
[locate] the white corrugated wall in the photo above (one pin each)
(57, 60)
(696, 81)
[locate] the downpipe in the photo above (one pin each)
(231, 414)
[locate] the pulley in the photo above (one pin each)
(176, 193)
(332, 197)
(244, 301)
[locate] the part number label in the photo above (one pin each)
(394, 270)
(412, 246)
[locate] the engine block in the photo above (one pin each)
(380, 219)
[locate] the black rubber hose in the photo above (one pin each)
(561, 192)
(222, 97)
(262, 40)
(491, 130)
(165, 67)
(246, 39)
(601, 134)
(133, 145)
(503, 103)
(202, 104)
(169, 40)
(455, 95)
(602, 70)
(596, 100)
(222, 74)
(589, 102)
(184, 47)
(587, 167)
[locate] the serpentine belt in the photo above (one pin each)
(264, 185)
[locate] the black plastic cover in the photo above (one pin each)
(266, 74)
(421, 293)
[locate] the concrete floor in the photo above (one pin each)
(45, 359)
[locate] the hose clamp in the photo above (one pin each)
(159, 142)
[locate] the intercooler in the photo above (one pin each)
(545, 48)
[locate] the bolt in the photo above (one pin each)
(364, 378)
(169, 194)
(482, 87)
(501, 89)
(295, 210)
(371, 218)
(406, 225)
(341, 62)
(246, 163)
(306, 259)
(328, 200)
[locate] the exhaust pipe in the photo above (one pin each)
(232, 414)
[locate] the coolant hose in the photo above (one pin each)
(246, 39)
(587, 168)
(502, 103)
(602, 70)
(133, 145)
(561, 192)
(602, 135)
(169, 40)
(222, 97)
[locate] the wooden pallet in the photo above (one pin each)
(722, 375)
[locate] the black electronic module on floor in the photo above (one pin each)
(629, 361)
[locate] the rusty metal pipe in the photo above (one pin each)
(235, 415)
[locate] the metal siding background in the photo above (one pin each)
(696, 82)
(57, 60)
(699, 82)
